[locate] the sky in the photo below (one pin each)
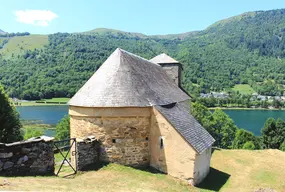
(150, 17)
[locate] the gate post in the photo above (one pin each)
(87, 151)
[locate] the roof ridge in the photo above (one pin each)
(163, 58)
(137, 56)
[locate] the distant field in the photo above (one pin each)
(243, 89)
(54, 100)
(19, 44)
(231, 170)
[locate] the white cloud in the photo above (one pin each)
(35, 17)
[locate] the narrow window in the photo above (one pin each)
(161, 143)
(114, 140)
(146, 138)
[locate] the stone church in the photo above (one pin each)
(139, 113)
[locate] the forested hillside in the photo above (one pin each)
(246, 49)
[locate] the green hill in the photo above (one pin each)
(231, 170)
(246, 49)
(18, 45)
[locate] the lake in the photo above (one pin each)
(252, 120)
(45, 114)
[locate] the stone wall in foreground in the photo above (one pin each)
(31, 157)
(87, 152)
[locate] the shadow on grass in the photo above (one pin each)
(215, 180)
(94, 167)
(97, 166)
(148, 169)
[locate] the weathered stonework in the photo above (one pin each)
(132, 136)
(173, 70)
(124, 139)
(87, 153)
(32, 157)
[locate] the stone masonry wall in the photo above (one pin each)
(87, 153)
(32, 157)
(123, 140)
(173, 71)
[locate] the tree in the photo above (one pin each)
(282, 146)
(63, 128)
(218, 124)
(249, 145)
(9, 120)
(203, 116)
(224, 129)
(273, 133)
(33, 132)
(200, 112)
(243, 138)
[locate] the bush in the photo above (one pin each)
(249, 145)
(63, 129)
(273, 133)
(218, 124)
(33, 132)
(242, 137)
(282, 146)
(9, 120)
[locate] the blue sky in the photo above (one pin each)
(145, 16)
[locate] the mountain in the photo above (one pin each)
(118, 33)
(245, 49)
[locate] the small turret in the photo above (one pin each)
(172, 67)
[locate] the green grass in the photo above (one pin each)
(53, 100)
(244, 89)
(231, 170)
(37, 126)
(19, 44)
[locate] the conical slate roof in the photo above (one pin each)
(163, 59)
(127, 80)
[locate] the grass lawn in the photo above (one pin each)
(19, 44)
(231, 170)
(243, 89)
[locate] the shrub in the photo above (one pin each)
(282, 146)
(33, 132)
(9, 120)
(63, 128)
(249, 145)
(273, 133)
(242, 137)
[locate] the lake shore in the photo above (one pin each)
(43, 102)
(244, 108)
(38, 104)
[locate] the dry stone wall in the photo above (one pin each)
(31, 157)
(87, 152)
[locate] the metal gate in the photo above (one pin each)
(66, 149)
